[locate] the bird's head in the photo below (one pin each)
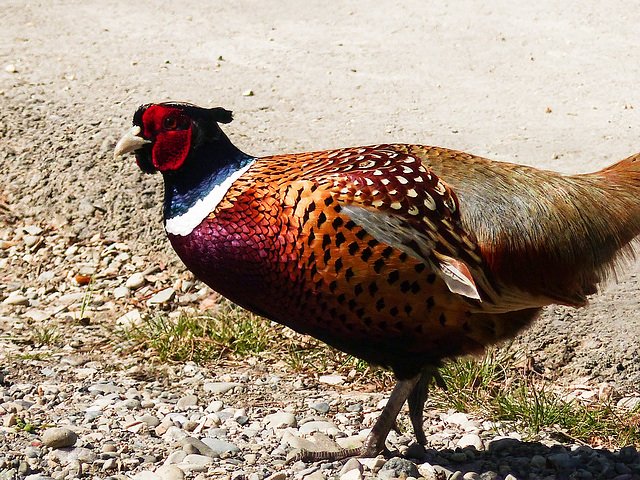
(165, 135)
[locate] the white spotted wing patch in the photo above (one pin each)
(402, 203)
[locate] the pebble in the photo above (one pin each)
(470, 439)
(351, 475)
(332, 379)
(16, 298)
(321, 407)
(280, 420)
(59, 437)
(219, 388)
(135, 281)
(121, 292)
(194, 445)
(319, 426)
(186, 402)
(398, 468)
(163, 296)
(220, 446)
(170, 472)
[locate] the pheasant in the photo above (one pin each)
(402, 255)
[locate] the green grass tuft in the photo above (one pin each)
(495, 388)
(228, 330)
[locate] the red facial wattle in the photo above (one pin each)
(172, 132)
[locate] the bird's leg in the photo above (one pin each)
(417, 399)
(374, 443)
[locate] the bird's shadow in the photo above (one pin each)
(523, 460)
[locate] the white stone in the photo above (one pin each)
(319, 426)
(457, 418)
(332, 379)
(373, 464)
(470, 439)
(16, 298)
(147, 475)
(280, 420)
(163, 296)
(121, 292)
(351, 475)
(219, 387)
(130, 319)
(170, 472)
(135, 281)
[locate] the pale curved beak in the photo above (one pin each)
(131, 142)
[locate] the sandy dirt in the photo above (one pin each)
(542, 83)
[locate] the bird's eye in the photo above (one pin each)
(170, 123)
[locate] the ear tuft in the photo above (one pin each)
(221, 115)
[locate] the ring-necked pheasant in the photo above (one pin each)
(402, 255)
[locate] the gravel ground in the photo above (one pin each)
(542, 84)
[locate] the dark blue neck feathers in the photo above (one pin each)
(205, 167)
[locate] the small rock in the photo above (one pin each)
(151, 420)
(563, 461)
(187, 402)
(67, 456)
(321, 407)
(163, 296)
(135, 281)
(191, 443)
(16, 298)
(319, 426)
(373, 464)
(32, 452)
(170, 472)
(121, 292)
(428, 471)
(220, 446)
(146, 475)
(352, 464)
(110, 464)
(59, 437)
(195, 463)
(280, 420)
(277, 476)
(398, 467)
(105, 388)
(10, 420)
(31, 240)
(11, 68)
(248, 93)
(538, 461)
(175, 457)
(457, 418)
(130, 319)
(173, 434)
(332, 379)
(503, 444)
(471, 439)
(628, 403)
(219, 388)
(351, 475)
